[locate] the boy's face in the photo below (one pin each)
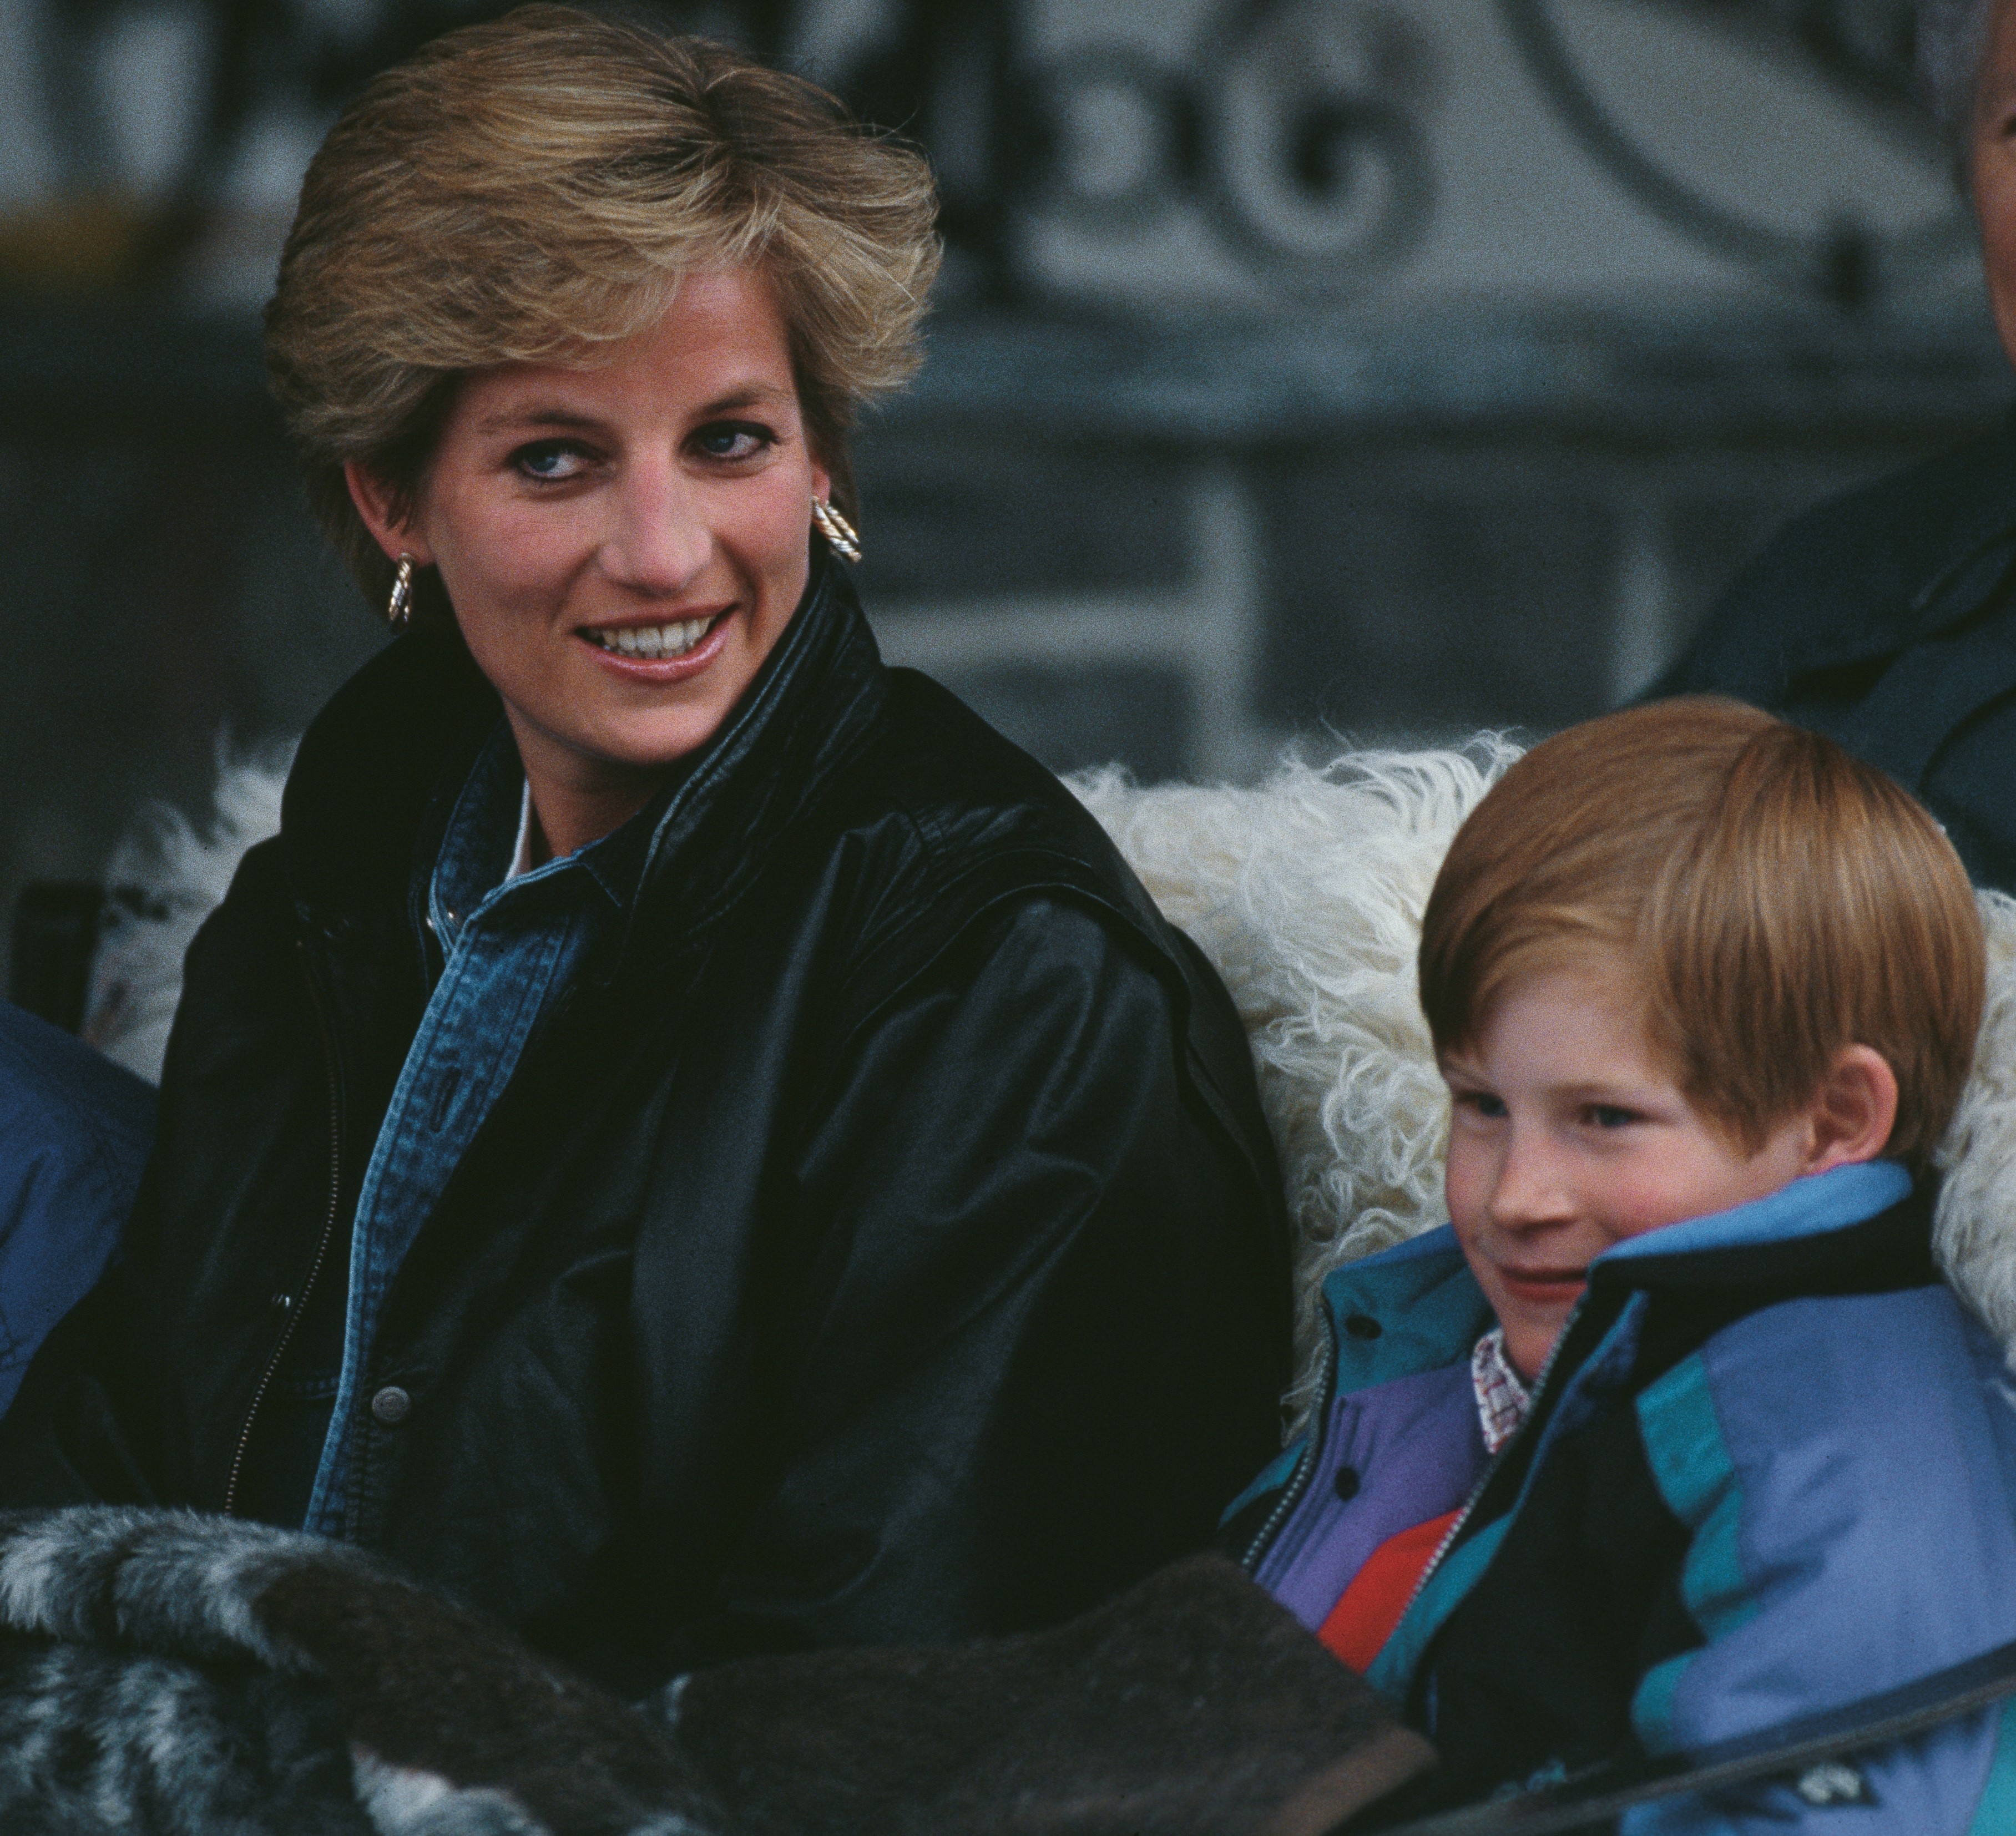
(1567, 1137)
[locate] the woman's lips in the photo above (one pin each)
(662, 653)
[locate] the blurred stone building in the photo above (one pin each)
(1304, 368)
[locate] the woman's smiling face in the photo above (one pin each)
(624, 545)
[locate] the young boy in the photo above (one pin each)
(1675, 1435)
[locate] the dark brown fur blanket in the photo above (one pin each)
(162, 1672)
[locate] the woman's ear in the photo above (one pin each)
(1854, 1111)
(393, 532)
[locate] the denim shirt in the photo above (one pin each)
(510, 945)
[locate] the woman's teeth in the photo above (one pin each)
(650, 640)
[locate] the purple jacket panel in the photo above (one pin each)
(1414, 1449)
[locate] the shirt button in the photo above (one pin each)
(1362, 1326)
(283, 1302)
(1347, 1482)
(391, 1406)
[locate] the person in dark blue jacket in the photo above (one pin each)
(74, 1132)
(1886, 618)
(1675, 1435)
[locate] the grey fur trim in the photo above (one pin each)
(100, 1742)
(403, 1801)
(666, 1704)
(169, 1581)
(218, 1677)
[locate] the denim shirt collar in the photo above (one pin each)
(476, 847)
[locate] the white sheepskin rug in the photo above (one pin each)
(174, 874)
(1973, 1232)
(1306, 893)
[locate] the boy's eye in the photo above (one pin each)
(733, 440)
(1607, 1115)
(1481, 1103)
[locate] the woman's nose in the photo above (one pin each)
(659, 537)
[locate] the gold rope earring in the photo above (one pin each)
(399, 608)
(839, 533)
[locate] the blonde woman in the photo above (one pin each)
(686, 1137)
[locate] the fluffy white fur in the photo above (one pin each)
(1973, 1232)
(180, 873)
(1306, 893)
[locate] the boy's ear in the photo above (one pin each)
(392, 533)
(1854, 1111)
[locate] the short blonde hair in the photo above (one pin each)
(525, 190)
(1778, 899)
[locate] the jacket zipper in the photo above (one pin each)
(335, 1079)
(1497, 1460)
(1305, 1468)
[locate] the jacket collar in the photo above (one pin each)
(1806, 1207)
(1414, 1307)
(1859, 1226)
(380, 768)
(1859, 1230)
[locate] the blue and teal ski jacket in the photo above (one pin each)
(1769, 1470)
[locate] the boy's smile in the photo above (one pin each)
(1568, 1136)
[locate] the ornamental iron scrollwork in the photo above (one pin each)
(1863, 48)
(1317, 162)
(1293, 124)
(1295, 127)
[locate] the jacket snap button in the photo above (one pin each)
(391, 1406)
(1347, 1482)
(1362, 1326)
(284, 1301)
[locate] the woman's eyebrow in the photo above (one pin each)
(748, 395)
(509, 418)
(553, 414)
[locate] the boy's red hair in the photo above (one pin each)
(1778, 899)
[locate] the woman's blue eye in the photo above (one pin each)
(733, 440)
(548, 459)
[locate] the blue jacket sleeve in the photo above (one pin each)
(1846, 1468)
(74, 1132)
